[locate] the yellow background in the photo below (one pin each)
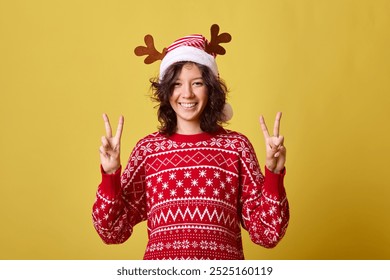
(325, 64)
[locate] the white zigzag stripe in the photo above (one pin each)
(228, 220)
(196, 199)
(208, 158)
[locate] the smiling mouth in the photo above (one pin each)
(187, 105)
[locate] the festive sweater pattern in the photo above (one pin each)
(195, 192)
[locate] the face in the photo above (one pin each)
(189, 98)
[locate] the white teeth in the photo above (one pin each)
(188, 105)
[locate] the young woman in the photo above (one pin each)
(194, 182)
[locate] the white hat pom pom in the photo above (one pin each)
(227, 112)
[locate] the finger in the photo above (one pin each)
(105, 143)
(103, 151)
(278, 141)
(282, 149)
(107, 126)
(119, 130)
(277, 124)
(264, 127)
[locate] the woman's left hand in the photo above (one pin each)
(275, 150)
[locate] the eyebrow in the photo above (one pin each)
(198, 78)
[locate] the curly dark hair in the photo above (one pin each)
(212, 116)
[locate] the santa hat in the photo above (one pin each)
(189, 48)
(194, 48)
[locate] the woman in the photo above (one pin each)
(194, 182)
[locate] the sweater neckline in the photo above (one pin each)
(193, 138)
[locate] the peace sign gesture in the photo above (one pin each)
(110, 148)
(275, 151)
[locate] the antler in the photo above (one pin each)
(150, 50)
(213, 47)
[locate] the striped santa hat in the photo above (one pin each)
(189, 48)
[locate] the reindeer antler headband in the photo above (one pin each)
(194, 48)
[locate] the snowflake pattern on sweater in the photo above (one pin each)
(195, 192)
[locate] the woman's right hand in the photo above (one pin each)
(110, 148)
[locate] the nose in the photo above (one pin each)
(187, 91)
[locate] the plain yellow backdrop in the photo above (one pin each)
(324, 64)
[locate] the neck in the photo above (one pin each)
(188, 128)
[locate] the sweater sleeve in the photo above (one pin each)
(265, 209)
(120, 202)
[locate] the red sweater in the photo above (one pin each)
(194, 191)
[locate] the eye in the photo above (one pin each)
(198, 83)
(177, 84)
